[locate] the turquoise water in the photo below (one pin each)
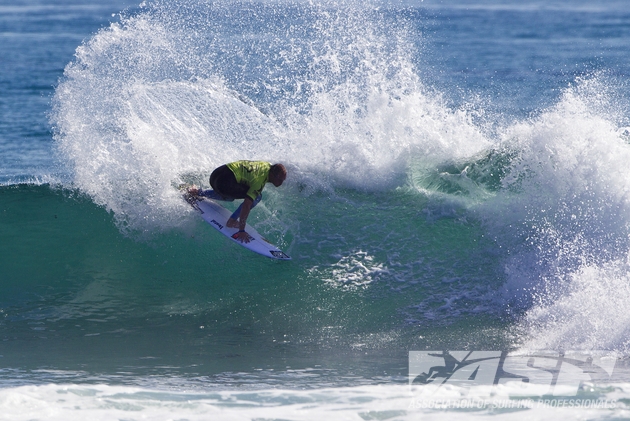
(225, 309)
(457, 180)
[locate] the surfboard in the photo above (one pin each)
(217, 216)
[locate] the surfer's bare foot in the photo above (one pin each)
(194, 191)
(232, 223)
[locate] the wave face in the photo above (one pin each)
(415, 221)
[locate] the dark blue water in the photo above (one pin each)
(38, 40)
(521, 55)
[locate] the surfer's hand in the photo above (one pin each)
(243, 237)
(232, 223)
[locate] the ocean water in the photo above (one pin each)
(458, 181)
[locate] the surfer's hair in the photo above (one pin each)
(278, 170)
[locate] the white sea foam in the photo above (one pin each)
(100, 402)
(357, 270)
(565, 220)
(590, 313)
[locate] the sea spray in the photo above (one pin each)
(164, 97)
(564, 208)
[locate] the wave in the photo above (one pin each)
(167, 95)
(333, 90)
(564, 207)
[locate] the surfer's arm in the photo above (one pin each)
(247, 206)
(242, 236)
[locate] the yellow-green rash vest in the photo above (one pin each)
(253, 173)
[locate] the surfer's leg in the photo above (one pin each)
(212, 194)
(237, 212)
(225, 186)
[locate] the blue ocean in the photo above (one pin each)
(458, 181)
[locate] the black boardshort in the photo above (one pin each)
(224, 182)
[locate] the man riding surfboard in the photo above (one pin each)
(242, 180)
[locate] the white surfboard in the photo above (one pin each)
(217, 216)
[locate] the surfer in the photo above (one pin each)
(242, 180)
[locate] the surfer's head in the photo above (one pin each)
(277, 174)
